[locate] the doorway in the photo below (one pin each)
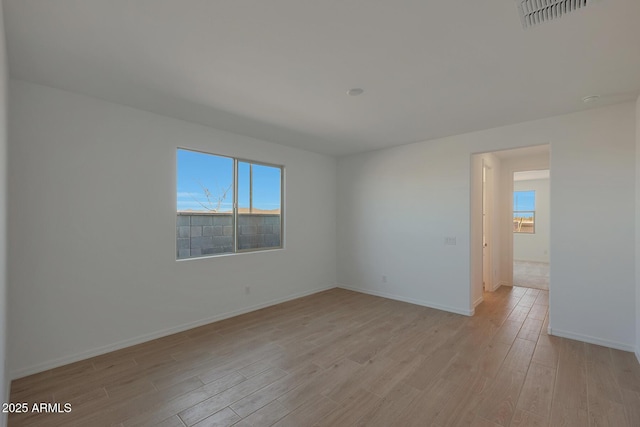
(531, 216)
(491, 239)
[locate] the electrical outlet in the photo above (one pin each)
(450, 241)
(247, 290)
(384, 279)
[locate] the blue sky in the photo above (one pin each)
(524, 201)
(198, 173)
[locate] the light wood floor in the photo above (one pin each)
(341, 358)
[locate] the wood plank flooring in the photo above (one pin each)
(341, 358)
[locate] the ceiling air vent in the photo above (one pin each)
(533, 12)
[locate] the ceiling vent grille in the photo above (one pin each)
(533, 12)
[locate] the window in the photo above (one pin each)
(524, 211)
(226, 205)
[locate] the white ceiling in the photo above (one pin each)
(279, 69)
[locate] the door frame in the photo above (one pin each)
(488, 187)
(502, 227)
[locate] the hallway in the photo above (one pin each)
(531, 274)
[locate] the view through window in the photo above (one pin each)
(226, 205)
(524, 211)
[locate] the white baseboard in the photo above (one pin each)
(497, 285)
(464, 312)
(591, 340)
(50, 364)
(478, 301)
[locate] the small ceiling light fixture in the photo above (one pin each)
(355, 91)
(591, 98)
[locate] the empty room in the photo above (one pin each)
(292, 213)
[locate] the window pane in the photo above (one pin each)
(204, 204)
(524, 211)
(259, 213)
(524, 200)
(266, 189)
(524, 222)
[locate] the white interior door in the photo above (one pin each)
(487, 180)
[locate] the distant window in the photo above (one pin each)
(226, 205)
(524, 211)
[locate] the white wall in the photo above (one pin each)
(534, 247)
(414, 196)
(112, 169)
(4, 374)
(637, 223)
